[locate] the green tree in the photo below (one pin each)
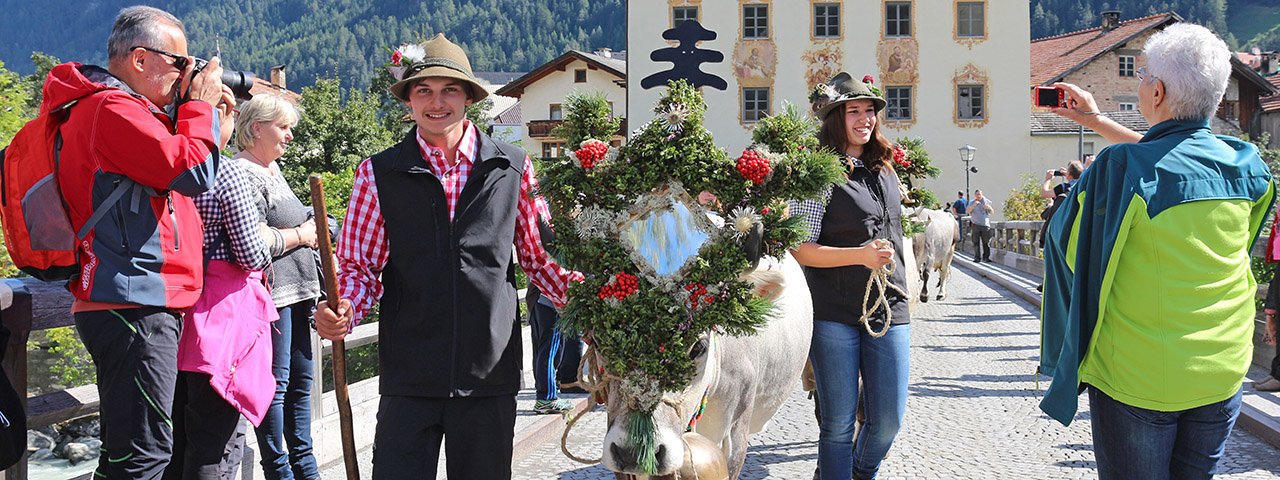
(35, 82)
(1024, 202)
(13, 104)
(333, 135)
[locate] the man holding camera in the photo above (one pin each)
(134, 152)
(980, 211)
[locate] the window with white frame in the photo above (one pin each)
(683, 14)
(755, 104)
(897, 19)
(755, 21)
(970, 19)
(826, 20)
(552, 149)
(555, 113)
(1126, 65)
(898, 101)
(1127, 107)
(969, 102)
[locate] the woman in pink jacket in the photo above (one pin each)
(224, 352)
(1272, 382)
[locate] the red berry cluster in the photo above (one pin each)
(591, 152)
(753, 166)
(765, 211)
(623, 285)
(900, 157)
(698, 294)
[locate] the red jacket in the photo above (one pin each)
(147, 250)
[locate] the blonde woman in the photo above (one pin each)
(263, 132)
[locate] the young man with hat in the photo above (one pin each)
(434, 220)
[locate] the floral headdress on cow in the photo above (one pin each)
(662, 269)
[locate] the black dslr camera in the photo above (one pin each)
(239, 82)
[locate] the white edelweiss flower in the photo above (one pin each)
(829, 91)
(674, 117)
(743, 218)
(594, 222)
(641, 390)
(411, 52)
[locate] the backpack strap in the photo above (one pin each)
(122, 187)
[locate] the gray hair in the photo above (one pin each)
(138, 26)
(262, 108)
(1194, 65)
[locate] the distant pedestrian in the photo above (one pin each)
(980, 211)
(957, 209)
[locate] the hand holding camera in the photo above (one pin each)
(202, 81)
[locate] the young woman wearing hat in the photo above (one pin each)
(856, 237)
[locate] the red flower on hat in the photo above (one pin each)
(868, 79)
(395, 58)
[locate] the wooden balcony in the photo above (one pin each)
(543, 128)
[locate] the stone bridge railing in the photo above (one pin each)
(1016, 244)
(31, 305)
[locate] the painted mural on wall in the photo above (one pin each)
(822, 62)
(899, 61)
(686, 58)
(754, 62)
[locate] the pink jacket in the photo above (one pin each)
(1273, 243)
(227, 335)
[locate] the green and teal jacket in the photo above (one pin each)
(1148, 293)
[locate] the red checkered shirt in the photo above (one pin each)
(363, 248)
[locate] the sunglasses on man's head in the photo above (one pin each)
(179, 61)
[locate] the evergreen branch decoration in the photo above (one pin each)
(644, 318)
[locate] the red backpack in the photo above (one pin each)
(37, 229)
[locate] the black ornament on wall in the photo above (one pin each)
(686, 58)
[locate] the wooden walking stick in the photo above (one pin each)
(339, 347)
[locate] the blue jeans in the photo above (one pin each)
(1132, 442)
(288, 421)
(555, 357)
(840, 353)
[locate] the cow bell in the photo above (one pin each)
(703, 460)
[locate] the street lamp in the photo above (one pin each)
(966, 156)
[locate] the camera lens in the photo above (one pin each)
(239, 82)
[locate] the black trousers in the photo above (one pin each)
(205, 445)
(981, 242)
(135, 354)
(556, 356)
(479, 434)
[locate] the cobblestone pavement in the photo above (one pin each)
(971, 412)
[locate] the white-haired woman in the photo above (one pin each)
(263, 132)
(1148, 295)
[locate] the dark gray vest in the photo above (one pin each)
(865, 207)
(448, 324)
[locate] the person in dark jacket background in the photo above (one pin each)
(450, 353)
(856, 229)
(143, 262)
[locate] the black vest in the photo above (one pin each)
(865, 207)
(449, 324)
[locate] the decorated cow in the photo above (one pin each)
(740, 382)
(698, 318)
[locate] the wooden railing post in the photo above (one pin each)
(16, 316)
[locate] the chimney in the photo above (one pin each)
(277, 76)
(1110, 20)
(605, 52)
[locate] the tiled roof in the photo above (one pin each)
(1272, 103)
(1052, 58)
(612, 65)
(261, 86)
(510, 116)
(1048, 122)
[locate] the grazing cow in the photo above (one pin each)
(934, 248)
(745, 379)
